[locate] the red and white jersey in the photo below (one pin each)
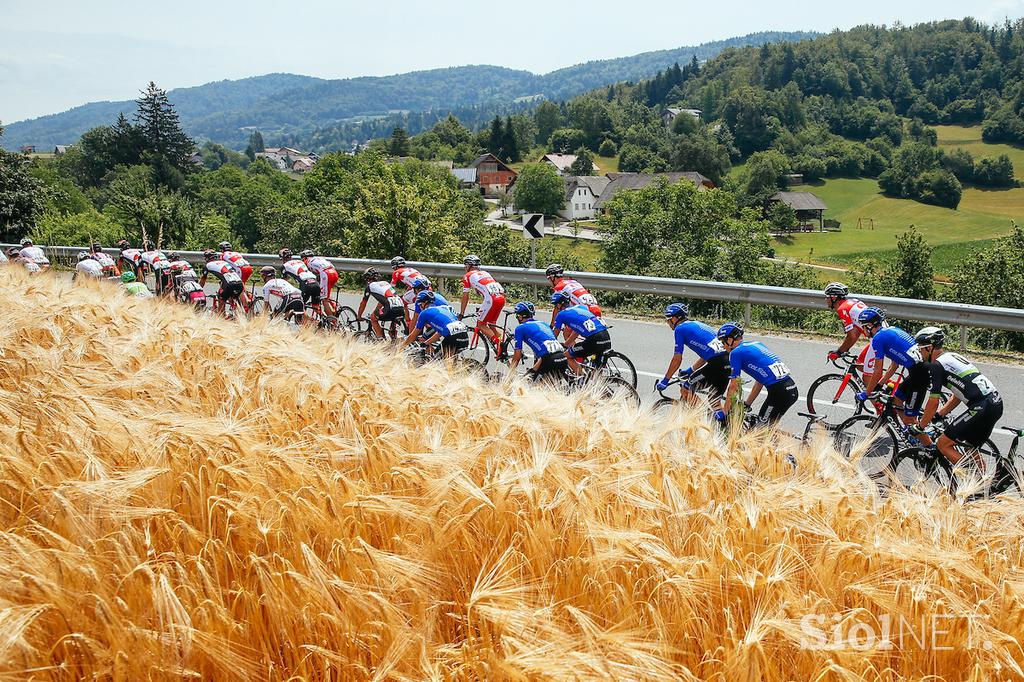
(405, 275)
(154, 260)
(29, 265)
(88, 266)
(235, 260)
(222, 271)
(132, 255)
(105, 261)
(34, 254)
(484, 284)
(849, 310)
(319, 265)
(297, 269)
(577, 293)
(276, 291)
(180, 266)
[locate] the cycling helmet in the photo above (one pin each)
(730, 330)
(96, 247)
(397, 262)
(871, 316)
(148, 245)
(472, 259)
(286, 254)
(82, 255)
(268, 272)
(371, 274)
(525, 309)
(173, 255)
(26, 242)
(420, 283)
(930, 336)
(306, 253)
(837, 290)
(554, 270)
(127, 277)
(224, 246)
(676, 310)
(425, 298)
(209, 254)
(123, 244)
(560, 298)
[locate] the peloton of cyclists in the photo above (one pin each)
(108, 264)
(437, 322)
(281, 297)
(419, 286)
(231, 286)
(710, 370)
(294, 269)
(155, 261)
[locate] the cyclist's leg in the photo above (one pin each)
(487, 317)
(782, 395)
(973, 427)
(378, 331)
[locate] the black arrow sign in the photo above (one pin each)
(534, 226)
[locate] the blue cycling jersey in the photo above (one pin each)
(897, 345)
(760, 363)
(699, 337)
(438, 300)
(440, 319)
(580, 320)
(539, 337)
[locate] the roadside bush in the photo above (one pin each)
(77, 229)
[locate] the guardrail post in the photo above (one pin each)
(963, 337)
(746, 314)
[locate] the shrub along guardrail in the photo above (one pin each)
(957, 314)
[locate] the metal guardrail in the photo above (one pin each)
(960, 314)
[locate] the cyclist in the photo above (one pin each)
(15, 257)
(585, 334)
(764, 367)
(154, 260)
(31, 252)
(898, 346)
(389, 307)
(108, 264)
(493, 295)
(419, 286)
(969, 386)
(231, 286)
(328, 277)
(87, 266)
(551, 361)
(296, 270)
(128, 257)
(710, 369)
(239, 265)
(580, 296)
(281, 297)
(133, 287)
(848, 310)
(405, 275)
(184, 280)
(443, 326)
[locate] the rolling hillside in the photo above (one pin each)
(287, 104)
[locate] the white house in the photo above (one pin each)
(561, 162)
(670, 114)
(581, 195)
(281, 157)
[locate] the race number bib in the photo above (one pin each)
(914, 353)
(494, 288)
(456, 327)
(552, 346)
(394, 302)
(230, 277)
(716, 346)
(778, 369)
(588, 299)
(589, 325)
(983, 384)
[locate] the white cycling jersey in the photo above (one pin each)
(89, 267)
(34, 254)
(222, 271)
(154, 260)
(319, 265)
(235, 260)
(484, 284)
(105, 261)
(276, 291)
(577, 292)
(297, 269)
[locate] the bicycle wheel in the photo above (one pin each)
(979, 472)
(258, 307)
(615, 388)
(328, 323)
(349, 321)
(874, 443)
(664, 406)
(830, 397)
(479, 350)
(618, 365)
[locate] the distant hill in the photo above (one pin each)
(287, 106)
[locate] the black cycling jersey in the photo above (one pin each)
(955, 372)
(383, 294)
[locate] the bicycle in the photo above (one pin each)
(417, 352)
(838, 391)
(606, 387)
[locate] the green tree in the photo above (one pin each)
(636, 159)
(910, 273)
(21, 199)
(77, 228)
(539, 189)
(564, 140)
(548, 118)
(399, 145)
(700, 152)
(608, 148)
(995, 172)
(161, 135)
(584, 163)
(993, 276)
(256, 142)
(762, 177)
(781, 216)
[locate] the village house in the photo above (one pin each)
(808, 207)
(280, 157)
(61, 149)
(493, 176)
(619, 182)
(561, 162)
(302, 165)
(466, 177)
(28, 149)
(581, 195)
(672, 112)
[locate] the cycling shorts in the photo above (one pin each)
(975, 424)
(164, 279)
(454, 344)
(310, 291)
(596, 344)
(782, 395)
(914, 389)
(246, 272)
(230, 290)
(552, 367)
(386, 314)
(712, 376)
(490, 309)
(409, 297)
(328, 278)
(290, 306)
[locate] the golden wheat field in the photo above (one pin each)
(179, 503)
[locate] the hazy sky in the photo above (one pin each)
(55, 54)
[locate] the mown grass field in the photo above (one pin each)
(982, 214)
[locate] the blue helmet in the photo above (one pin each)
(425, 298)
(730, 330)
(677, 310)
(560, 297)
(525, 308)
(871, 316)
(420, 283)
